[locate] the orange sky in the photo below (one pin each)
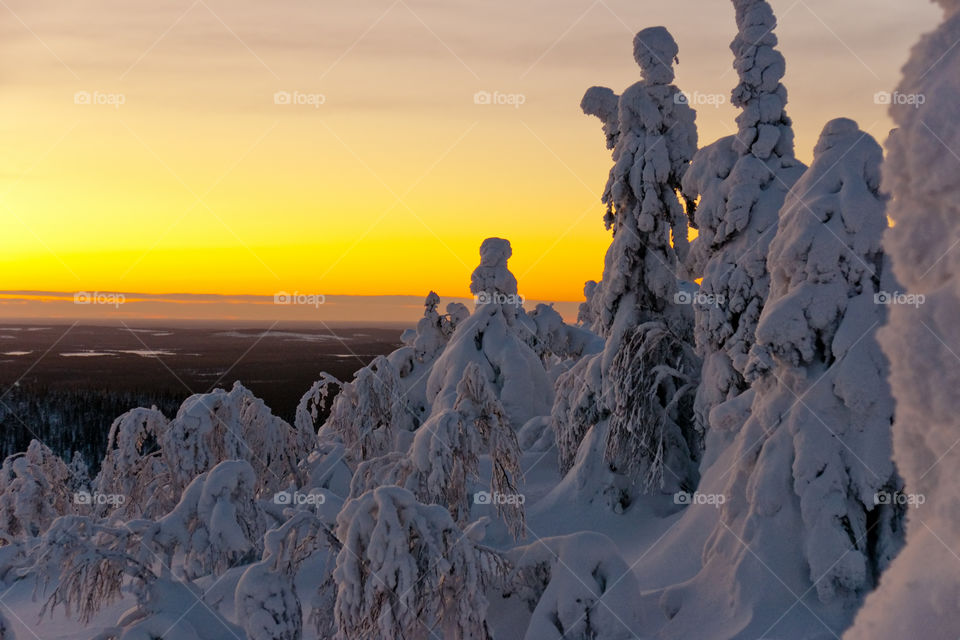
(144, 149)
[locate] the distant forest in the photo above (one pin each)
(69, 420)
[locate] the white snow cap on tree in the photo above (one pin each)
(604, 104)
(492, 275)
(655, 51)
(918, 595)
(764, 125)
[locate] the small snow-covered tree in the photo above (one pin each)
(916, 595)
(422, 346)
(555, 340)
(406, 571)
(316, 403)
(443, 459)
(649, 430)
(496, 337)
(370, 412)
(231, 425)
(815, 450)
(92, 562)
(34, 491)
(133, 467)
(578, 587)
(741, 182)
(267, 604)
(216, 525)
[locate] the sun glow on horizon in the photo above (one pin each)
(150, 153)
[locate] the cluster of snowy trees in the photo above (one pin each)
(401, 503)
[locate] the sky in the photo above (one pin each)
(235, 147)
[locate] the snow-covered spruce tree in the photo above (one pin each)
(406, 571)
(231, 425)
(217, 524)
(815, 451)
(741, 182)
(422, 346)
(657, 136)
(641, 392)
(578, 587)
(918, 595)
(370, 412)
(34, 491)
(133, 466)
(443, 460)
(495, 337)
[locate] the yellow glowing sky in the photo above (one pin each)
(200, 183)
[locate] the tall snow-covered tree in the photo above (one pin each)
(655, 139)
(815, 451)
(917, 596)
(741, 182)
(406, 571)
(641, 391)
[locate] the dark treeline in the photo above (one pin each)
(71, 420)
